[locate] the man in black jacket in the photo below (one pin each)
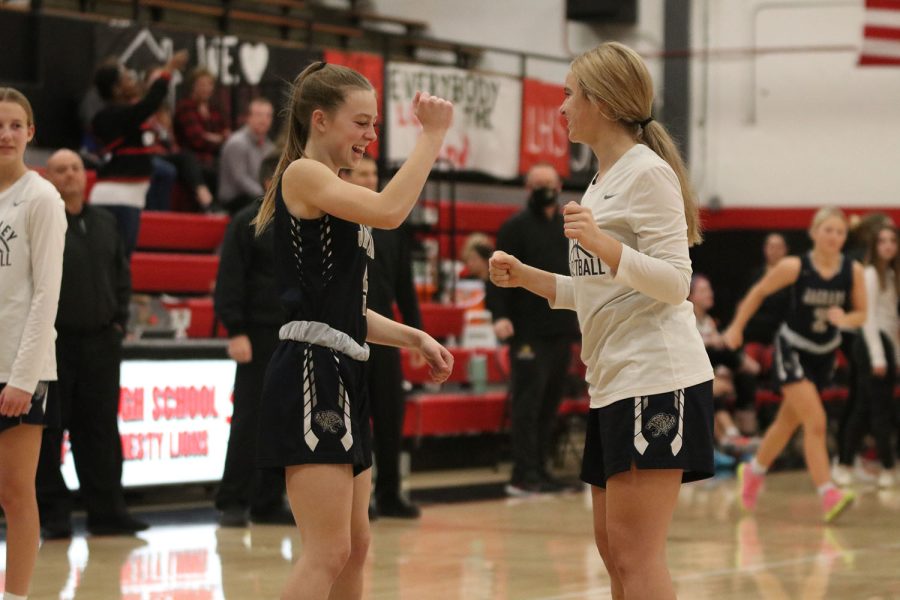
(540, 337)
(390, 280)
(90, 323)
(247, 304)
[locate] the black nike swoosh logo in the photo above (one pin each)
(608, 196)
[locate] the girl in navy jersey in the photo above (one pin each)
(314, 418)
(32, 237)
(651, 418)
(827, 294)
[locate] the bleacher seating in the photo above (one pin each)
(164, 272)
(181, 231)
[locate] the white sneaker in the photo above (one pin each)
(841, 475)
(886, 479)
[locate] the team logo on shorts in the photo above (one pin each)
(660, 424)
(328, 420)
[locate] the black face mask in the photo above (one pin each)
(541, 198)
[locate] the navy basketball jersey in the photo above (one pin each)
(812, 296)
(321, 269)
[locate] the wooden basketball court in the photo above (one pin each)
(533, 548)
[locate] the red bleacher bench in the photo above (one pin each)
(203, 317)
(173, 273)
(454, 414)
(472, 216)
(442, 320)
(497, 365)
(179, 231)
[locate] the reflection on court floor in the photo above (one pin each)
(533, 548)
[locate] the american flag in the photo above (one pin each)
(881, 35)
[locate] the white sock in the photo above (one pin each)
(823, 489)
(757, 468)
(732, 431)
(11, 596)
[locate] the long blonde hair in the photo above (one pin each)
(319, 86)
(614, 74)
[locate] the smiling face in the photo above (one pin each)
(15, 133)
(346, 132)
(582, 116)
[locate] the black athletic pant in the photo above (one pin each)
(538, 372)
(244, 485)
(88, 369)
(388, 404)
(872, 409)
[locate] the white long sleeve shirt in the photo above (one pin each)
(32, 239)
(639, 333)
(881, 316)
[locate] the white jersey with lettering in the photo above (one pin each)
(639, 334)
(32, 239)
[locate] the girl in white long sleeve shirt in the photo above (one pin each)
(876, 354)
(32, 236)
(651, 419)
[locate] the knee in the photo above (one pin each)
(602, 541)
(333, 559)
(815, 426)
(16, 496)
(628, 559)
(359, 548)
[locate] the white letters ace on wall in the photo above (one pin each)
(486, 120)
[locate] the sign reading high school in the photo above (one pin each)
(487, 116)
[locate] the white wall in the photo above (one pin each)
(536, 26)
(791, 129)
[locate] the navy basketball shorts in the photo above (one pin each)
(672, 430)
(790, 365)
(314, 410)
(44, 408)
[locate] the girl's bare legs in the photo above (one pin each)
(598, 497)
(804, 401)
(780, 431)
(349, 583)
(321, 498)
(639, 509)
(19, 449)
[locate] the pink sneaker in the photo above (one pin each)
(834, 502)
(750, 484)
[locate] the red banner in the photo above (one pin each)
(544, 134)
(372, 66)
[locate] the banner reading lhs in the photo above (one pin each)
(486, 119)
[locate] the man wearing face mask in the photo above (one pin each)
(540, 338)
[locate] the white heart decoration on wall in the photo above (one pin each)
(254, 60)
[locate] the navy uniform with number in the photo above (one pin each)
(806, 342)
(315, 404)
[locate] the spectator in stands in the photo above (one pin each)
(31, 254)
(476, 254)
(735, 372)
(314, 418)
(390, 281)
(875, 355)
(242, 155)
(93, 311)
(247, 304)
(200, 127)
(540, 338)
(172, 164)
(761, 329)
(120, 127)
